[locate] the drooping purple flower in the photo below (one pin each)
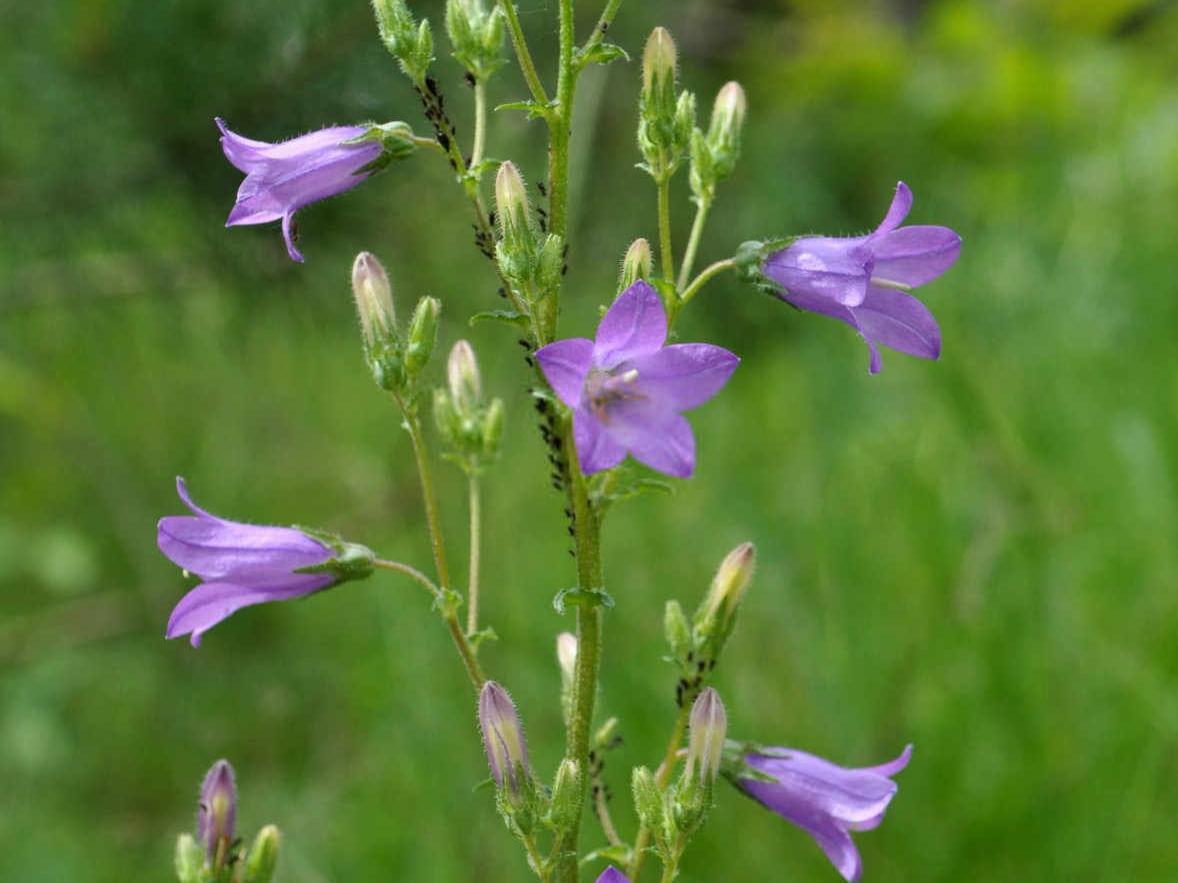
(240, 565)
(283, 177)
(825, 800)
(612, 875)
(864, 280)
(216, 816)
(627, 389)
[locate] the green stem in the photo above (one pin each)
(412, 572)
(666, 258)
(472, 592)
(586, 534)
(527, 66)
(480, 122)
(697, 229)
(560, 125)
(662, 776)
(603, 23)
(538, 864)
(447, 607)
(705, 275)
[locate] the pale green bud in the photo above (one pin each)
(511, 203)
(263, 856)
(410, 43)
(728, 113)
(566, 794)
(635, 265)
(374, 300)
(476, 35)
(604, 736)
(708, 728)
(190, 859)
(659, 62)
(423, 333)
(676, 629)
(716, 614)
(550, 262)
(648, 800)
(462, 375)
(684, 120)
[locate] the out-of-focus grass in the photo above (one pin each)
(976, 556)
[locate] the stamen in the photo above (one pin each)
(881, 282)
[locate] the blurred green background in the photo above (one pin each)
(976, 555)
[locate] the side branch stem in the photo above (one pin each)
(480, 123)
(662, 776)
(526, 65)
(705, 275)
(697, 229)
(472, 589)
(603, 23)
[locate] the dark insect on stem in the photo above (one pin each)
(470, 80)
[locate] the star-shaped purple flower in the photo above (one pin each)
(825, 800)
(240, 565)
(281, 178)
(612, 875)
(627, 389)
(863, 280)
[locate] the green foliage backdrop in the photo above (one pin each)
(976, 555)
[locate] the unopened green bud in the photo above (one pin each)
(423, 333)
(676, 629)
(493, 429)
(716, 615)
(374, 300)
(462, 375)
(635, 265)
(659, 62)
(684, 120)
(708, 728)
(550, 262)
(476, 35)
(190, 859)
(604, 737)
(410, 43)
(263, 856)
(728, 113)
(511, 203)
(648, 800)
(566, 794)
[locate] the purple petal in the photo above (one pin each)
(892, 766)
(840, 849)
(288, 234)
(209, 603)
(915, 255)
(899, 321)
(823, 266)
(216, 816)
(810, 784)
(597, 450)
(612, 875)
(655, 436)
(565, 364)
(897, 211)
(633, 326)
(213, 548)
(684, 375)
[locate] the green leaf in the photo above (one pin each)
(534, 109)
(508, 317)
(581, 598)
(602, 53)
(620, 855)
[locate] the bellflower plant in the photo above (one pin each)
(621, 393)
(864, 280)
(626, 388)
(824, 800)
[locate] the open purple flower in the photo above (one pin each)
(240, 565)
(281, 178)
(612, 875)
(863, 280)
(626, 388)
(825, 800)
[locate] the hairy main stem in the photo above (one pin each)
(662, 776)
(666, 257)
(560, 126)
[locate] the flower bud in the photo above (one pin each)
(503, 739)
(493, 429)
(423, 332)
(648, 800)
(462, 375)
(716, 615)
(476, 35)
(189, 859)
(659, 62)
(604, 737)
(374, 300)
(410, 43)
(566, 656)
(705, 748)
(635, 265)
(724, 130)
(676, 630)
(217, 815)
(511, 203)
(263, 856)
(566, 794)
